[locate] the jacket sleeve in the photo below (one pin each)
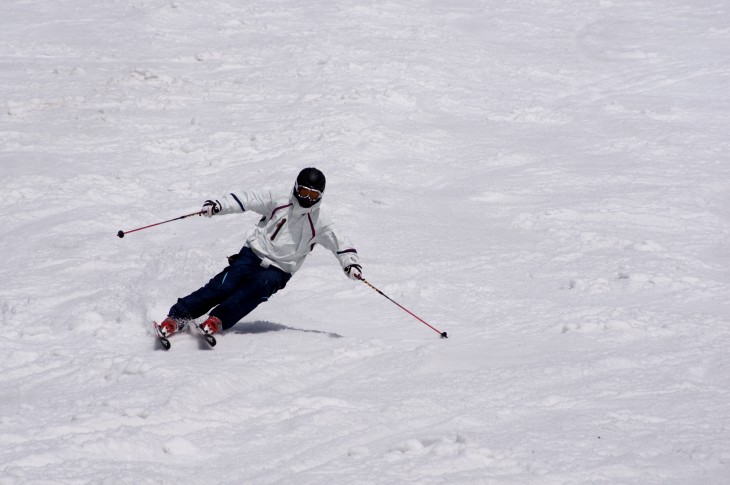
(260, 202)
(340, 246)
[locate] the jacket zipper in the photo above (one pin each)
(278, 228)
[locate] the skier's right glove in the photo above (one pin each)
(211, 208)
(354, 271)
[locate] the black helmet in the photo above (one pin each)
(309, 187)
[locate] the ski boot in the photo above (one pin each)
(211, 325)
(169, 326)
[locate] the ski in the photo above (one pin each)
(209, 339)
(161, 338)
(165, 341)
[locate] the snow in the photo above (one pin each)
(546, 181)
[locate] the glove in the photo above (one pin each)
(211, 208)
(354, 271)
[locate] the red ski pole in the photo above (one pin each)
(443, 334)
(121, 234)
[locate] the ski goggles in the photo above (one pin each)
(306, 192)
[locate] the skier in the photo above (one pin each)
(288, 231)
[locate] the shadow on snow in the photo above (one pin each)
(261, 326)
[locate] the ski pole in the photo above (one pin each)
(443, 334)
(121, 234)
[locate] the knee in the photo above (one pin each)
(224, 282)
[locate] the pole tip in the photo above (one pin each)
(443, 335)
(120, 234)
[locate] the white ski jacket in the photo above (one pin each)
(287, 232)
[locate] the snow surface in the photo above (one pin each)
(545, 180)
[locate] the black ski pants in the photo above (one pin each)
(234, 292)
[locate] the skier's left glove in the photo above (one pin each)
(211, 208)
(354, 271)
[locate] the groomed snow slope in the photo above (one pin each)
(545, 180)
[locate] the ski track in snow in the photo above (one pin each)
(547, 181)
